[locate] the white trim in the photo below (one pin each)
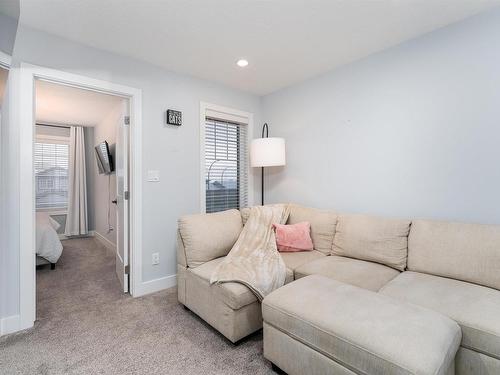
(63, 237)
(9, 324)
(54, 211)
(153, 286)
(28, 74)
(104, 241)
(231, 115)
(5, 60)
(56, 139)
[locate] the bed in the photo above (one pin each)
(48, 246)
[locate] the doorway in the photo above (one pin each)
(127, 164)
(81, 175)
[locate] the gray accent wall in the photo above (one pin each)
(9, 206)
(412, 132)
(104, 186)
(90, 169)
(9, 233)
(8, 29)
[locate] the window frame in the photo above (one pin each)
(53, 139)
(230, 115)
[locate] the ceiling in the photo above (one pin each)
(285, 41)
(59, 104)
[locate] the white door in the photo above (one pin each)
(122, 198)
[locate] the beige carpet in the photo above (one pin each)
(86, 326)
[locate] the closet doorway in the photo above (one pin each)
(84, 201)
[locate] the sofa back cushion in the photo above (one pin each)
(323, 224)
(209, 236)
(374, 239)
(467, 252)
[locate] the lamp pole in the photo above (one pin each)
(265, 134)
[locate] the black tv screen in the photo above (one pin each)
(103, 158)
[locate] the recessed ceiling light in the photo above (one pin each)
(242, 63)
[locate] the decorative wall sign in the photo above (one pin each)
(174, 117)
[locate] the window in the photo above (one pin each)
(225, 162)
(51, 173)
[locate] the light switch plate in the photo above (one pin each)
(153, 176)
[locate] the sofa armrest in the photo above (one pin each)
(181, 251)
(204, 237)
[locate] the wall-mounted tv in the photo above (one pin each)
(103, 158)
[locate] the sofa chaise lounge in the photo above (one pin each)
(451, 269)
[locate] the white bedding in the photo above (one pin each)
(48, 245)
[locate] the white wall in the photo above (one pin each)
(106, 131)
(413, 131)
(174, 151)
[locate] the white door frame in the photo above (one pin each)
(28, 74)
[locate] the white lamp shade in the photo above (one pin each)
(267, 152)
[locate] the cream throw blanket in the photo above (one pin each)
(254, 259)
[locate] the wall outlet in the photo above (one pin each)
(155, 258)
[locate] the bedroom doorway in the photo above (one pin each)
(81, 185)
(85, 198)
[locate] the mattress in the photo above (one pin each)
(48, 245)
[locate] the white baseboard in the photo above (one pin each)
(63, 237)
(156, 285)
(104, 241)
(10, 324)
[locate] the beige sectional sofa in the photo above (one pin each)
(447, 268)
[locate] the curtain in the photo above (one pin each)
(76, 220)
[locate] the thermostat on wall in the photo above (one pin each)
(174, 117)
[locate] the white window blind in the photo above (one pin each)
(226, 165)
(51, 174)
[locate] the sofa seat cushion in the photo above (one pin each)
(360, 273)
(364, 331)
(296, 259)
(235, 295)
(475, 308)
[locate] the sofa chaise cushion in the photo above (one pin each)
(204, 237)
(374, 239)
(323, 224)
(235, 295)
(212, 304)
(467, 252)
(364, 331)
(232, 294)
(360, 273)
(475, 308)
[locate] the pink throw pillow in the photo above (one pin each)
(294, 237)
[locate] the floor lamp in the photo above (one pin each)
(267, 152)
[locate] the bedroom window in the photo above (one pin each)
(51, 173)
(225, 164)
